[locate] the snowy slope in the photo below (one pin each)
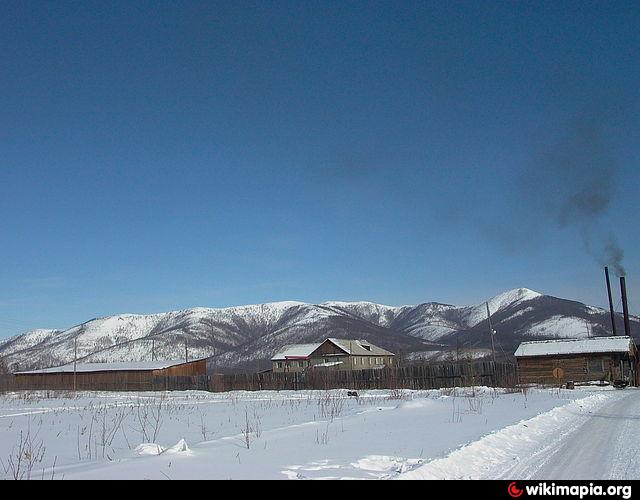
(248, 336)
(27, 340)
(472, 316)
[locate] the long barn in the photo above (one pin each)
(596, 359)
(138, 376)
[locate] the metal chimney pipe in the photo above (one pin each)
(613, 313)
(625, 307)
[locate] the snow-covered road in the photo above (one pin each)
(603, 446)
(592, 437)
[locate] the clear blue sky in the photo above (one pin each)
(163, 155)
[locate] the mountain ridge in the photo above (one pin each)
(245, 337)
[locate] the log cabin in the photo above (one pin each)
(598, 359)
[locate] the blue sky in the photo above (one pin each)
(163, 155)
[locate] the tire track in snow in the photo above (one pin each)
(488, 457)
(599, 449)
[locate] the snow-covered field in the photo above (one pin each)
(282, 435)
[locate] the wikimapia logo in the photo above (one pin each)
(514, 491)
(580, 491)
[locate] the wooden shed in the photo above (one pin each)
(138, 376)
(596, 359)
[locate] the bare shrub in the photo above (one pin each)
(257, 420)
(109, 427)
(331, 406)
(203, 428)
(398, 395)
(322, 438)
(475, 404)
(150, 418)
(246, 431)
(24, 456)
(456, 416)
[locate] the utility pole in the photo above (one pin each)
(492, 333)
(213, 359)
(351, 360)
(588, 327)
(75, 364)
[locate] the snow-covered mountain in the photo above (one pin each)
(246, 337)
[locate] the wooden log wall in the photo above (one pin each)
(560, 370)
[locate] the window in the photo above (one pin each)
(280, 365)
(596, 366)
(301, 364)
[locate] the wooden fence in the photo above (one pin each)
(411, 377)
(424, 376)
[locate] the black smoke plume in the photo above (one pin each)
(573, 181)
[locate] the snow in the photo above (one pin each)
(486, 458)
(362, 304)
(153, 449)
(478, 314)
(281, 435)
(519, 313)
(27, 340)
(328, 364)
(515, 295)
(360, 347)
(609, 452)
(380, 314)
(109, 367)
(592, 345)
(560, 327)
(449, 355)
(296, 351)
